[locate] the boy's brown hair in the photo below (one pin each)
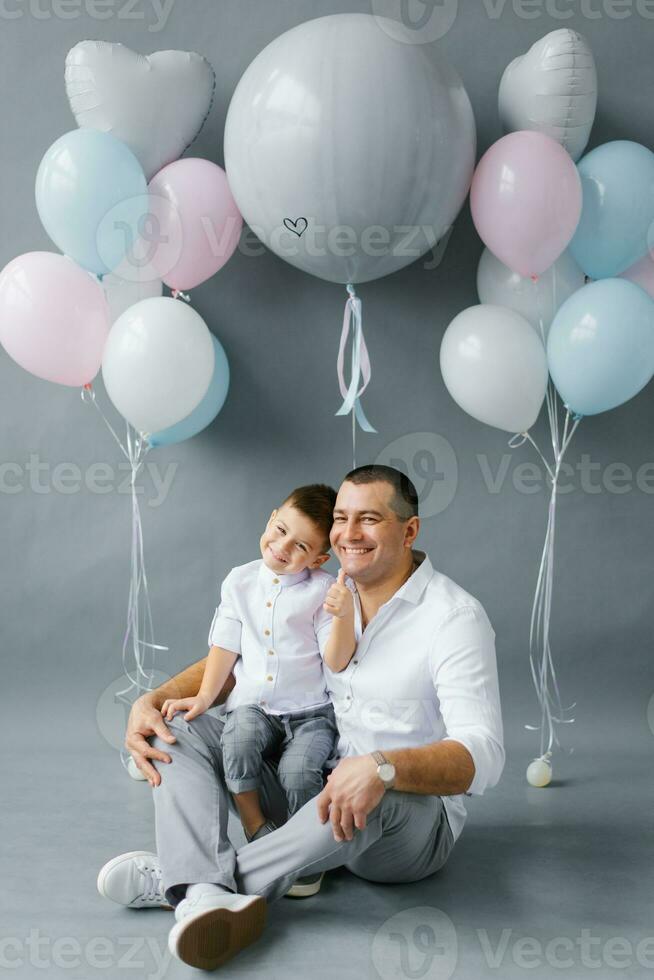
(316, 501)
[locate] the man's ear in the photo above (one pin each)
(411, 531)
(320, 560)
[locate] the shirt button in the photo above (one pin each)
(348, 697)
(266, 632)
(269, 604)
(262, 702)
(271, 653)
(355, 661)
(269, 677)
(275, 581)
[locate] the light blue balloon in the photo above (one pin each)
(205, 413)
(91, 195)
(600, 347)
(618, 208)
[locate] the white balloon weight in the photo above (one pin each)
(536, 301)
(158, 363)
(348, 152)
(539, 773)
(552, 89)
(495, 367)
(156, 104)
(123, 293)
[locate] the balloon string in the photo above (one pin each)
(540, 655)
(139, 632)
(361, 370)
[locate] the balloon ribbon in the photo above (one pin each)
(361, 372)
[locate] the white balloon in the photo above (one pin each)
(156, 105)
(123, 293)
(539, 773)
(500, 286)
(552, 89)
(349, 153)
(158, 363)
(495, 367)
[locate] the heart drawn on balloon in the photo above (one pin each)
(156, 105)
(298, 227)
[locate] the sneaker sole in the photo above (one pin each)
(304, 891)
(110, 865)
(208, 940)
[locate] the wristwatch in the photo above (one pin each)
(385, 769)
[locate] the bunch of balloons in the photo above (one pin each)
(100, 303)
(542, 327)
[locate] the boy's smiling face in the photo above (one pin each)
(292, 542)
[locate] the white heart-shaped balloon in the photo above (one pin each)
(156, 104)
(552, 89)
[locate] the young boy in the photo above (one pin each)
(272, 628)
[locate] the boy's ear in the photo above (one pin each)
(272, 516)
(320, 560)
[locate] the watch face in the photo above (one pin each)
(386, 772)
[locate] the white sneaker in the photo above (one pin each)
(306, 886)
(210, 929)
(133, 879)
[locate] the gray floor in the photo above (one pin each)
(532, 870)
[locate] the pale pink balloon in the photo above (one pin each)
(526, 201)
(54, 318)
(642, 273)
(199, 225)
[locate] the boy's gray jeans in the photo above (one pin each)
(406, 837)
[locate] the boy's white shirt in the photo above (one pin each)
(279, 629)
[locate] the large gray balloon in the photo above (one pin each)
(552, 89)
(348, 152)
(156, 105)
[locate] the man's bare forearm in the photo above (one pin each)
(186, 685)
(439, 769)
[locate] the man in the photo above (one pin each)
(418, 712)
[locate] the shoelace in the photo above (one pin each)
(152, 885)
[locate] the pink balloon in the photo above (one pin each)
(54, 318)
(526, 201)
(642, 273)
(199, 225)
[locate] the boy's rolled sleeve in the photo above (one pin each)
(464, 671)
(226, 626)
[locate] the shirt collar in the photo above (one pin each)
(270, 579)
(416, 583)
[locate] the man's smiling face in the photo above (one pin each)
(369, 539)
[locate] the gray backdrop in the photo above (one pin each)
(64, 574)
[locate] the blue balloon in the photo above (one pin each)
(91, 195)
(205, 413)
(617, 180)
(600, 347)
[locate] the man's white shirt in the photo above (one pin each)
(424, 670)
(277, 625)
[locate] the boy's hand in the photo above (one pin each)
(193, 707)
(339, 600)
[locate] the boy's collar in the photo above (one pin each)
(268, 578)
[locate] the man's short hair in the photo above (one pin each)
(316, 501)
(405, 498)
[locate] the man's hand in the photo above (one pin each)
(353, 789)
(146, 720)
(339, 601)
